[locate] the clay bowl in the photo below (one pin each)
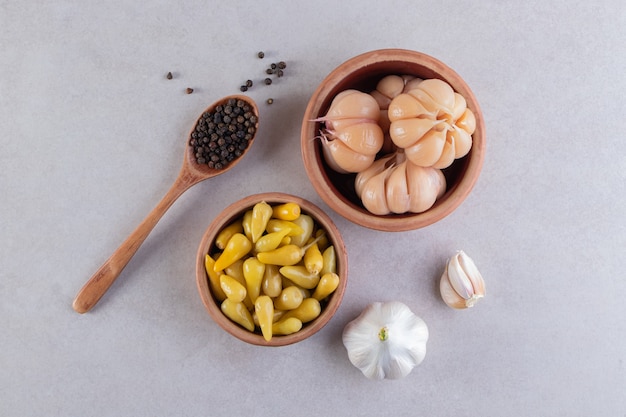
(363, 73)
(235, 211)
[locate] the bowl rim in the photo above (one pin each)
(235, 210)
(312, 156)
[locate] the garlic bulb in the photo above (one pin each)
(461, 284)
(393, 184)
(432, 123)
(388, 88)
(351, 136)
(386, 340)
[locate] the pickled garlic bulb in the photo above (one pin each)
(388, 88)
(393, 184)
(432, 123)
(351, 136)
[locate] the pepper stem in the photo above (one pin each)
(383, 334)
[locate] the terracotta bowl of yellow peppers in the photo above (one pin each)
(393, 140)
(271, 269)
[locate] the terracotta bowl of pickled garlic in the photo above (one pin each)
(363, 73)
(235, 212)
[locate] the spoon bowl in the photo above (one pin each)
(190, 174)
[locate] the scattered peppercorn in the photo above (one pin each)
(169, 76)
(282, 65)
(243, 88)
(269, 71)
(279, 73)
(273, 66)
(268, 81)
(224, 134)
(261, 54)
(270, 101)
(249, 83)
(189, 90)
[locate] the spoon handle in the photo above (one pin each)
(100, 282)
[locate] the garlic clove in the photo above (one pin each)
(468, 265)
(373, 195)
(411, 84)
(427, 150)
(425, 186)
(449, 296)
(462, 141)
(407, 132)
(382, 100)
(351, 104)
(447, 154)
(440, 92)
(467, 121)
(406, 106)
(365, 138)
(390, 86)
(397, 191)
(460, 104)
(337, 124)
(377, 167)
(342, 159)
(461, 284)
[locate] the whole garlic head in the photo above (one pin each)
(461, 284)
(386, 341)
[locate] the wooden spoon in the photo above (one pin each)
(190, 174)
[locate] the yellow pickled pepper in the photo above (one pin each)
(289, 298)
(272, 281)
(253, 272)
(323, 242)
(238, 313)
(283, 255)
(232, 288)
(307, 311)
(246, 224)
(286, 326)
(264, 309)
(226, 233)
(261, 214)
(330, 260)
(286, 211)
(313, 259)
(277, 225)
(327, 285)
(214, 278)
(237, 247)
(299, 275)
(270, 241)
(306, 224)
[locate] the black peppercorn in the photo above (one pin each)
(189, 90)
(279, 73)
(268, 81)
(261, 54)
(273, 66)
(243, 88)
(270, 101)
(222, 135)
(169, 76)
(282, 65)
(269, 71)
(249, 83)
